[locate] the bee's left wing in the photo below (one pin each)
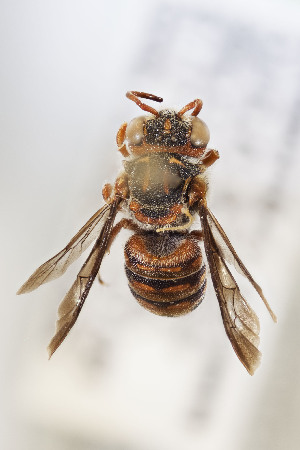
(240, 321)
(73, 301)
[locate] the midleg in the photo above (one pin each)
(197, 191)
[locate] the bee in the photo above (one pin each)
(161, 190)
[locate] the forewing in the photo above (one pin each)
(56, 266)
(73, 301)
(228, 254)
(240, 321)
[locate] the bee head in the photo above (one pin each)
(166, 130)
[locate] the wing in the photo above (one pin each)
(56, 266)
(73, 301)
(240, 321)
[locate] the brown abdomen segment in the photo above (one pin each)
(165, 272)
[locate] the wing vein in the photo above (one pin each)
(241, 265)
(73, 301)
(58, 264)
(240, 321)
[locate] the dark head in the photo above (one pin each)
(166, 130)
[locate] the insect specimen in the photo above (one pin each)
(162, 189)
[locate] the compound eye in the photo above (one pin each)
(135, 131)
(200, 133)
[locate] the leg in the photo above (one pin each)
(210, 157)
(120, 188)
(120, 140)
(197, 234)
(124, 223)
(128, 224)
(197, 191)
(106, 192)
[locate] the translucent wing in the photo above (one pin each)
(56, 266)
(230, 255)
(73, 301)
(240, 321)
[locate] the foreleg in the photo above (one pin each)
(120, 188)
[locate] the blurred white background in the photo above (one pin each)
(126, 379)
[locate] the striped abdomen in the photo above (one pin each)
(165, 272)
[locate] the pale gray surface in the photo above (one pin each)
(125, 379)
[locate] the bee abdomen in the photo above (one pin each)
(166, 277)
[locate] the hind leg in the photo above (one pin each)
(128, 224)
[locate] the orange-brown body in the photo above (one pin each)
(165, 274)
(161, 183)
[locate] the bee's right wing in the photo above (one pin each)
(56, 266)
(240, 321)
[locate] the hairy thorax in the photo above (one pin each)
(158, 185)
